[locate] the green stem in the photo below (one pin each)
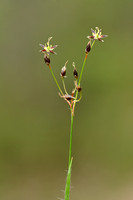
(55, 80)
(93, 43)
(70, 145)
(67, 190)
(64, 85)
(84, 64)
(79, 82)
(82, 69)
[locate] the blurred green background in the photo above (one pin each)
(34, 120)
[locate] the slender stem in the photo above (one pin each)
(70, 145)
(84, 64)
(79, 97)
(55, 80)
(93, 43)
(79, 82)
(82, 69)
(64, 85)
(67, 190)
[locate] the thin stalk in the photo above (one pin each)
(64, 85)
(82, 69)
(84, 64)
(55, 80)
(79, 81)
(70, 145)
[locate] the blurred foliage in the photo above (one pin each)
(34, 130)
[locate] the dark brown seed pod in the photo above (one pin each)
(79, 88)
(75, 73)
(88, 47)
(63, 71)
(46, 59)
(68, 97)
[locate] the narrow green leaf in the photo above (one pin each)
(68, 181)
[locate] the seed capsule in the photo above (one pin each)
(79, 88)
(88, 47)
(75, 73)
(63, 71)
(68, 97)
(46, 59)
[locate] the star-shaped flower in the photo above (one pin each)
(97, 35)
(47, 48)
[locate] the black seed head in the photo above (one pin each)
(46, 59)
(88, 47)
(75, 73)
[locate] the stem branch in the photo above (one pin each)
(64, 85)
(86, 55)
(55, 80)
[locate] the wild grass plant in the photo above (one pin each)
(76, 93)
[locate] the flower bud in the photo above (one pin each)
(75, 73)
(88, 47)
(46, 59)
(63, 71)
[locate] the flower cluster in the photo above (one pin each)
(47, 49)
(96, 35)
(70, 98)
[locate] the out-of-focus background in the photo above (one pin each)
(35, 121)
